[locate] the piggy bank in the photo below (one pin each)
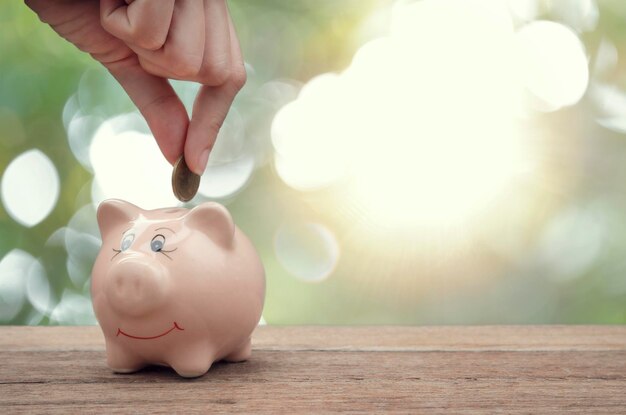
(175, 287)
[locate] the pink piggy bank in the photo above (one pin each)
(175, 287)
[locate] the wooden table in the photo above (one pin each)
(519, 369)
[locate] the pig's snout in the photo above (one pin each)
(135, 286)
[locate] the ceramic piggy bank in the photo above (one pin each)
(176, 287)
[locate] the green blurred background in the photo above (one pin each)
(375, 197)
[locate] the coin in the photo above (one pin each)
(185, 183)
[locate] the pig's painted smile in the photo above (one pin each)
(174, 327)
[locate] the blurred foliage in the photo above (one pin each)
(294, 41)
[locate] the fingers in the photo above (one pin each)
(144, 23)
(211, 107)
(181, 55)
(157, 101)
(198, 47)
(194, 40)
(216, 61)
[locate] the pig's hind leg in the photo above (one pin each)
(241, 353)
(192, 360)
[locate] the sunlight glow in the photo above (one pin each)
(129, 166)
(422, 128)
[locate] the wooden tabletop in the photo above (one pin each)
(510, 369)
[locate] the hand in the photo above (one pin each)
(143, 43)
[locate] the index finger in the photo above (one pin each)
(158, 103)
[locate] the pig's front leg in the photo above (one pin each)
(241, 353)
(121, 360)
(192, 360)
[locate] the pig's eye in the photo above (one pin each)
(127, 241)
(156, 244)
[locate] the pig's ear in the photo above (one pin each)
(114, 212)
(215, 221)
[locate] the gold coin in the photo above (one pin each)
(185, 183)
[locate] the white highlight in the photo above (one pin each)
(13, 271)
(582, 15)
(572, 242)
(523, 10)
(611, 104)
(80, 132)
(82, 242)
(230, 166)
(38, 288)
(128, 165)
(421, 128)
(30, 188)
(73, 309)
(308, 251)
(555, 64)
(224, 180)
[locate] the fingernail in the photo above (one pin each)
(202, 161)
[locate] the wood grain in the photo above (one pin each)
(525, 369)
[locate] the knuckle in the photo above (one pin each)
(180, 64)
(105, 22)
(239, 77)
(184, 66)
(115, 58)
(144, 38)
(147, 38)
(149, 42)
(216, 72)
(150, 68)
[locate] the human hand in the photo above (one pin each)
(143, 43)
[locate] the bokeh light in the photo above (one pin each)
(14, 267)
(523, 10)
(447, 145)
(555, 64)
(572, 241)
(611, 106)
(38, 289)
(581, 15)
(81, 130)
(308, 251)
(305, 136)
(606, 58)
(30, 187)
(73, 309)
(224, 180)
(128, 165)
(81, 239)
